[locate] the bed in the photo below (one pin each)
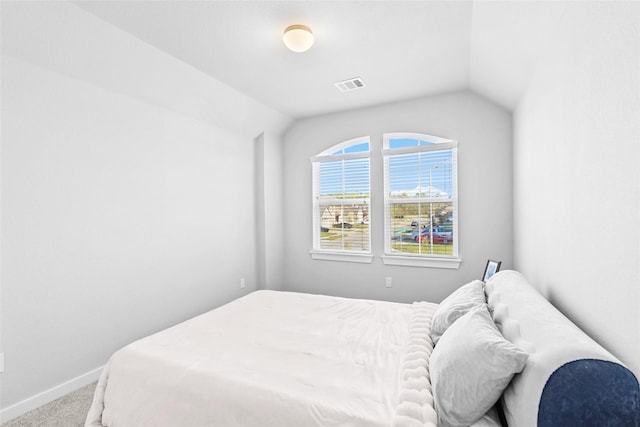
(285, 359)
(276, 359)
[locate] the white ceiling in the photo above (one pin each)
(401, 49)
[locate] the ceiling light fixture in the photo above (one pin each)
(298, 38)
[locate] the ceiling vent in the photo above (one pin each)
(350, 84)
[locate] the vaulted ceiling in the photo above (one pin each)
(401, 49)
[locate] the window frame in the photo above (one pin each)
(360, 256)
(419, 260)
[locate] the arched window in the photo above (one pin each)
(341, 188)
(420, 199)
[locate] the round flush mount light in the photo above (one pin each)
(298, 38)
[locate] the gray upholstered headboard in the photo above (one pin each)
(569, 379)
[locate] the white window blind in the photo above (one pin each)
(420, 182)
(341, 187)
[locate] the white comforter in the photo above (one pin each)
(276, 359)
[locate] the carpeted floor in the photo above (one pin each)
(67, 411)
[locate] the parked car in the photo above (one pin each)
(424, 231)
(342, 225)
(439, 234)
(437, 238)
(324, 229)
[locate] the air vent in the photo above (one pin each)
(350, 84)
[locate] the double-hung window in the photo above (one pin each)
(420, 200)
(341, 188)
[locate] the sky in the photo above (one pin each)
(407, 172)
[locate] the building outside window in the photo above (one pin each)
(341, 190)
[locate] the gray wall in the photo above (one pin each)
(118, 219)
(269, 218)
(577, 181)
(483, 132)
(126, 206)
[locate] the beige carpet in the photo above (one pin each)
(67, 411)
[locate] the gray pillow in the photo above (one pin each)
(454, 306)
(470, 368)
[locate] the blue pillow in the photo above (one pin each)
(590, 392)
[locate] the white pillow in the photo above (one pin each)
(470, 368)
(465, 298)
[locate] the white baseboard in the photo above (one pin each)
(50, 395)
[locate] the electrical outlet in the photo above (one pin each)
(388, 282)
(1, 362)
(242, 283)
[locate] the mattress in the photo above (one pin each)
(276, 359)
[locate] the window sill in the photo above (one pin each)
(410, 261)
(366, 258)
